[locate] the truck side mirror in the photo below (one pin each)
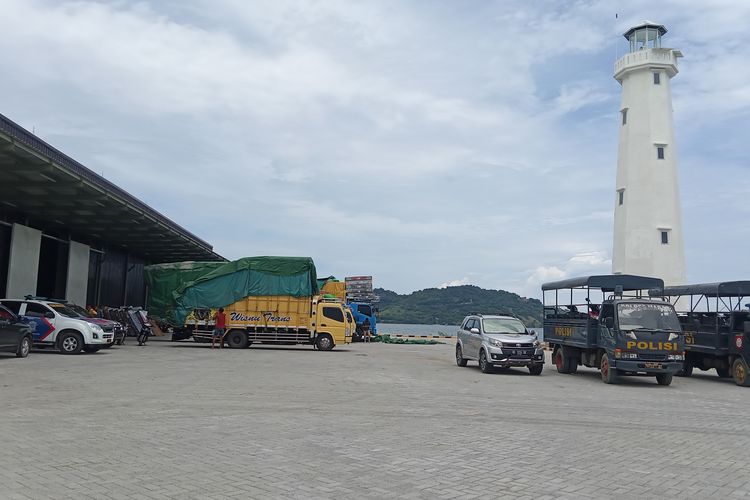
(696, 323)
(747, 327)
(609, 322)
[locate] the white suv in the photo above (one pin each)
(56, 325)
(498, 341)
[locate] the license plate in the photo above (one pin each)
(653, 365)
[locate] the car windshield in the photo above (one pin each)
(64, 310)
(656, 316)
(503, 325)
(80, 310)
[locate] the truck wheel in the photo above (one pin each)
(237, 340)
(324, 342)
(70, 343)
(536, 369)
(484, 365)
(559, 361)
(723, 372)
(664, 379)
(609, 374)
(740, 373)
(24, 347)
(687, 369)
(460, 360)
(92, 348)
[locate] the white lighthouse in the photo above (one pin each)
(648, 228)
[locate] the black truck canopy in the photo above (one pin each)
(607, 283)
(719, 289)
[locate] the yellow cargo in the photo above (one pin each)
(335, 288)
(283, 320)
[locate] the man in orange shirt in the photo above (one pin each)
(220, 327)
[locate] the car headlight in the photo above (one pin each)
(496, 343)
(96, 328)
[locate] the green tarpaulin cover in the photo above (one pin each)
(164, 279)
(251, 276)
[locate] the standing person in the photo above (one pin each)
(220, 326)
(366, 330)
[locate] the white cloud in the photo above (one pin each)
(387, 138)
(458, 282)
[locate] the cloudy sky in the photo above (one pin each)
(423, 142)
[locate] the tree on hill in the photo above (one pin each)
(448, 306)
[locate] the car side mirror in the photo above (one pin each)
(609, 322)
(49, 315)
(475, 331)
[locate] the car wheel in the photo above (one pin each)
(536, 369)
(740, 373)
(237, 340)
(324, 342)
(93, 348)
(723, 372)
(460, 360)
(24, 347)
(484, 365)
(664, 379)
(609, 374)
(70, 343)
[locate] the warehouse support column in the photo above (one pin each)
(23, 267)
(78, 273)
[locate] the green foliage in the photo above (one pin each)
(449, 306)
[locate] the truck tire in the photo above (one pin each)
(324, 342)
(557, 358)
(236, 339)
(609, 374)
(740, 373)
(664, 379)
(723, 372)
(92, 348)
(564, 363)
(536, 369)
(485, 365)
(460, 360)
(70, 342)
(24, 347)
(687, 369)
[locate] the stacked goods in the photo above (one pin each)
(359, 289)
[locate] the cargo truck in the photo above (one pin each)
(281, 320)
(608, 322)
(716, 327)
(354, 292)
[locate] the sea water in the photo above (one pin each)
(436, 330)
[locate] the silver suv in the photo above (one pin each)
(498, 341)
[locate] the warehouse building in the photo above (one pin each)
(66, 232)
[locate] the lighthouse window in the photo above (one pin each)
(665, 237)
(620, 196)
(660, 152)
(624, 113)
(657, 78)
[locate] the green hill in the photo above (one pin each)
(448, 306)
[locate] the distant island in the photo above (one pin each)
(449, 306)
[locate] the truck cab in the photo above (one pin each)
(365, 317)
(608, 322)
